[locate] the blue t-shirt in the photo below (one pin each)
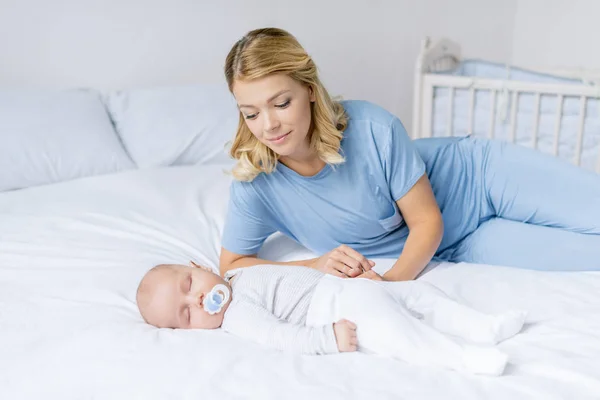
(351, 203)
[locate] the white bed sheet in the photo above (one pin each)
(71, 256)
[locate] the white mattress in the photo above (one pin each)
(71, 256)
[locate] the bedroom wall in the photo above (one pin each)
(364, 49)
(557, 34)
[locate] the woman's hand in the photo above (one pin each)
(372, 275)
(343, 262)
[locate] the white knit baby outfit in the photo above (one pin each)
(293, 309)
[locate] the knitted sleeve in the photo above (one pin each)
(251, 321)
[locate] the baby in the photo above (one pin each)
(303, 310)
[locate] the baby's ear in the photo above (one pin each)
(193, 264)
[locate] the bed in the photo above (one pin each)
(99, 187)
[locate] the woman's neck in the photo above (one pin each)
(305, 163)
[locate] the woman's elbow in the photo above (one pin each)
(224, 268)
(433, 225)
(438, 226)
(229, 261)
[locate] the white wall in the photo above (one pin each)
(557, 34)
(364, 49)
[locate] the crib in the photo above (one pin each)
(554, 112)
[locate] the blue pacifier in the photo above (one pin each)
(216, 299)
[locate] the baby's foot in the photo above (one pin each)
(508, 324)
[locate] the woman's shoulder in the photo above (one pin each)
(363, 110)
(368, 122)
(246, 190)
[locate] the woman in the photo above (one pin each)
(345, 180)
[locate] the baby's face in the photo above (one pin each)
(172, 297)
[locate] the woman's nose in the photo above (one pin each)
(271, 122)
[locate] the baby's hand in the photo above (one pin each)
(370, 274)
(345, 335)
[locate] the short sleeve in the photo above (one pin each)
(403, 164)
(246, 226)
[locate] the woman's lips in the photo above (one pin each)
(279, 138)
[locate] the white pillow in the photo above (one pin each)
(175, 125)
(50, 136)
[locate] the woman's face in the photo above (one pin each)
(277, 111)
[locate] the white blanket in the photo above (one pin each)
(71, 256)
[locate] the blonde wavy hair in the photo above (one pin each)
(266, 51)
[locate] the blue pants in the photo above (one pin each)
(504, 204)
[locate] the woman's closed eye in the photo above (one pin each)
(285, 104)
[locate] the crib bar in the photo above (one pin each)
(536, 121)
(462, 82)
(559, 107)
(493, 94)
(418, 87)
(513, 115)
(450, 111)
(471, 110)
(426, 116)
(582, 105)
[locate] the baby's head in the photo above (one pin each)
(175, 296)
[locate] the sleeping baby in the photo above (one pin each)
(305, 311)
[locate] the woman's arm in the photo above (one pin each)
(229, 261)
(245, 231)
(424, 220)
(341, 261)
